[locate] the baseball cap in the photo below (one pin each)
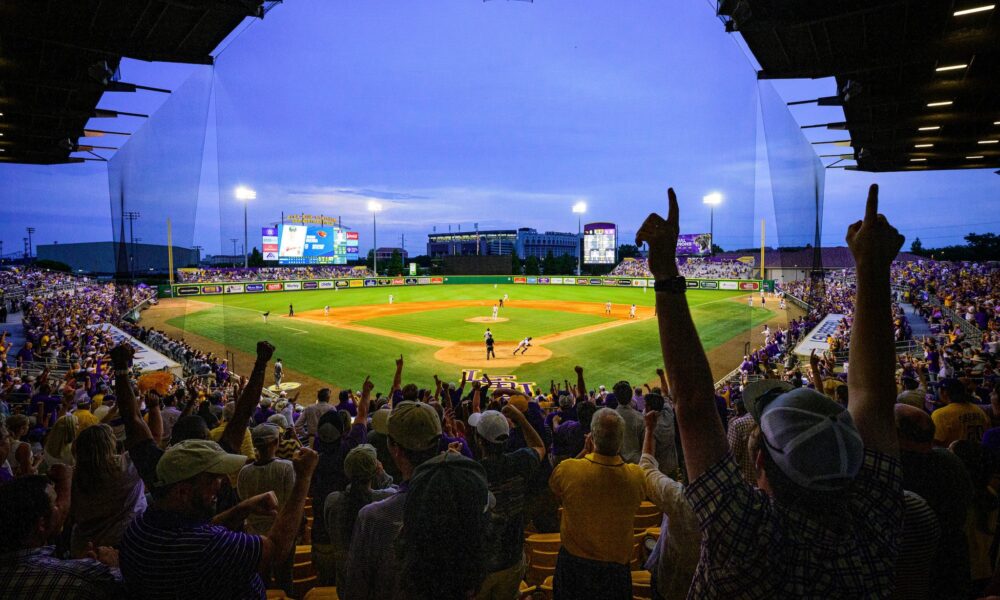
(449, 479)
(951, 385)
(330, 427)
(361, 462)
(189, 458)
(810, 437)
(414, 425)
(491, 425)
(263, 434)
(380, 420)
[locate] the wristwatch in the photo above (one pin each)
(674, 285)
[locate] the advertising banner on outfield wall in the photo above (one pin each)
(728, 285)
(557, 280)
(293, 285)
(423, 280)
(274, 287)
(399, 281)
(750, 285)
(358, 283)
(437, 280)
(234, 288)
(595, 282)
(532, 280)
(569, 281)
(709, 285)
(544, 280)
(211, 289)
(310, 285)
(411, 281)
(325, 285)
(520, 280)
(816, 340)
(385, 282)
(370, 283)
(255, 287)
(188, 290)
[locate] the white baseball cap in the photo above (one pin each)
(491, 425)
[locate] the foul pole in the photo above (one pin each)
(762, 253)
(170, 254)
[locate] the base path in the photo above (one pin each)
(472, 355)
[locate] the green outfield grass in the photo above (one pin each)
(344, 358)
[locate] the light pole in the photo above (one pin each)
(712, 200)
(579, 208)
(374, 207)
(245, 194)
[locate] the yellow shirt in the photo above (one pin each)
(959, 421)
(246, 448)
(600, 496)
(84, 419)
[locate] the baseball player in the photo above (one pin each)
(265, 315)
(607, 307)
(750, 301)
(291, 311)
(390, 298)
(631, 312)
(523, 346)
(496, 309)
(326, 310)
(489, 345)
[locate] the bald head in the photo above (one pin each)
(914, 427)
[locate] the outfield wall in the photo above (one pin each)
(181, 290)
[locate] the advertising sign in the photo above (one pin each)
(188, 290)
(234, 288)
(691, 283)
(544, 280)
(750, 285)
(625, 282)
(255, 287)
(709, 285)
(595, 281)
(583, 282)
(694, 244)
(273, 287)
(211, 289)
(436, 280)
(557, 280)
(385, 282)
(341, 283)
(293, 285)
(423, 280)
(308, 243)
(310, 285)
(569, 281)
(600, 243)
(729, 285)
(411, 281)
(371, 282)
(399, 281)
(816, 340)
(532, 280)
(520, 280)
(413, 268)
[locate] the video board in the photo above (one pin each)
(600, 243)
(694, 244)
(309, 244)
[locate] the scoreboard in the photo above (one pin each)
(309, 244)
(600, 243)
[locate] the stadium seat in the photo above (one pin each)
(543, 542)
(654, 532)
(302, 564)
(302, 586)
(645, 521)
(641, 589)
(322, 593)
(525, 591)
(545, 589)
(639, 551)
(276, 595)
(540, 565)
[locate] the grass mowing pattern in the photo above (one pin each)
(343, 358)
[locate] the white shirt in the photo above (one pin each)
(308, 421)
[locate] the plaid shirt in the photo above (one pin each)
(755, 548)
(738, 435)
(34, 574)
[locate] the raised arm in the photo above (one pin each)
(871, 379)
(531, 438)
(136, 430)
(581, 386)
(814, 373)
(365, 402)
(232, 436)
(397, 379)
(664, 386)
(702, 436)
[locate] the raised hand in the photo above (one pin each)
(661, 235)
(873, 241)
(121, 356)
(265, 505)
(264, 351)
(304, 462)
(578, 369)
(367, 386)
(399, 362)
(650, 418)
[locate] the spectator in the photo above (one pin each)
(597, 543)
(675, 556)
(981, 523)
(199, 553)
(738, 436)
(22, 461)
(29, 518)
(268, 474)
(940, 478)
(825, 482)
(665, 434)
(632, 443)
(958, 419)
(107, 491)
(508, 475)
(373, 571)
(368, 483)
(334, 439)
(308, 421)
(916, 567)
(448, 495)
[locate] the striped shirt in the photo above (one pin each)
(34, 574)
(167, 556)
(372, 569)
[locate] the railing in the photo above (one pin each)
(798, 302)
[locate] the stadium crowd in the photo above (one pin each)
(690, 267)
(199, 488)
(216, 274)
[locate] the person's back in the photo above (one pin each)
(631, 449)
(959, 421)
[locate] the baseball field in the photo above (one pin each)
(440, 331)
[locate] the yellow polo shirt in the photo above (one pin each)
(600, 496)
(959, 421)
(85, 418)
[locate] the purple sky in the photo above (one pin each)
(501, 113)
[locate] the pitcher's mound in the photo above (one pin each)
(473, 355)
(487, 320)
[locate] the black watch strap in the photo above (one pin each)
(673, 285)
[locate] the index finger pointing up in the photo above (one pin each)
(871, 208)
(672, 211)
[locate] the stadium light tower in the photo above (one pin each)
(245, 195)
(712, 200)
(374, 206)
(579, 208)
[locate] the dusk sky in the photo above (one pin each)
(457, 111)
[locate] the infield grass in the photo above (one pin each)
(343, 358)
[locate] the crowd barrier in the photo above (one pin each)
(181, 290)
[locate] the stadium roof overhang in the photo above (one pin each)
(919, 82)
(58, 57)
